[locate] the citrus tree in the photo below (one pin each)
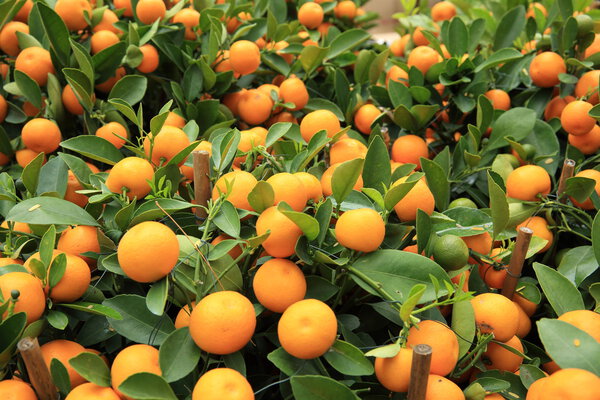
(256, 199)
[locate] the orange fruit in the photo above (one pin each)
(254, 107)
(587, 85)
(327, 177)
(132, 360)
(593, 48)
(9, 261)
(307, 329)
(278, 284)
(545, 68)
(174, 119)
(35, 62)
(148, 251)
(244, 56)
(149, 11)
(108, 84)
(590, 174)
(556, 106)
(528, 306)
(396, 74)
(72, 13)
(25, 156)
(310, 15)
(575, 118)
(108, 20)
(102, 40)
(9, 43)
(150, 59)
(293, 90)
(183, 316)
(80, 239)
(311, 185)
(587, 321)
(420, 40)
(236, 185)
(496, 314)
(570, 384)
(444, 10)
(524, 322)
(493, 396)
(17, 226)
(110, 130)
(288, 187)
(409, 149)
(72, 186)
(366, 239)
(394, 372)
(539, 226)
(248, 141)
(63, 351)
(75, 281)
(499, 98)
(284, 233)
(345, 9)
(534, 392)
(319, 120)
(125, 5)
(190, 19)
(23, 13)
(70, 101)
(222, 384)
(90, 390)
(399, 45)
(497, 357)
(418, 198)
(443, 342)
(532, 7)
(588, 143)
(131, 174)
(3, 110)
(440, 388)
(12, 389)
(41, 135)
(364, 117)
(347, 149)
(222, 322)
(528, 182)
(423, 58)
(235, 252)
(167, 144)
(481, 244)
(494, 278)
(32, 299)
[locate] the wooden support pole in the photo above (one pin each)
(566, 173)
(516, 262)
(201, 181)
(419, 372)
(38, 372)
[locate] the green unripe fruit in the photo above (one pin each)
(451, 252)
(462, 202)
(585, 24)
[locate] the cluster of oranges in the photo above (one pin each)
(259, 100)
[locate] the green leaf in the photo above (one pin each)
(459, 35)
(578, 263)
(192, 82)
(279, 130)
(569, 347)
(397, 272)
(377, 171)
(345, 177)
(56, 31)
(347, 41)
(50, 210)
(510, 27)
(93, 308)
(562, 295)
(147, 386)
(30, 88)
(228, 220)
(308, 224)
(83, 59)
(94, 147)
(178, 355)
(57, 319)
(31, 173)
(348, 359)
(388, 351)
(156, 299)
(397, 192)
(463, 323)
(60, 376)
(499, 206)
(290, 365)
(323, 104)
(437, 182)
(500, 57)
(92, 368)
(57, 269)
(580, 188)
(138, 323)
(409, 305)
(323, 216)
(150, 209)
(317, 387)
(53, 177)
(517, 123)
(11, 330)
(596, 236)
(311, 57)
(261, 196)
(529, 374)
(130, 88)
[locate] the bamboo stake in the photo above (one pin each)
(516, 262)
(419, 372)
(566, 173)
(201, 181)
(38, 372)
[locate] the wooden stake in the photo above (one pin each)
(516, 262)
(38, 372)
(419, 372)
(201, 181)
(566, 173)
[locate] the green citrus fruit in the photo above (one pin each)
(585, 24)
(451, 252)
(462, 202)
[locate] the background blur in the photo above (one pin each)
(385, 9)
